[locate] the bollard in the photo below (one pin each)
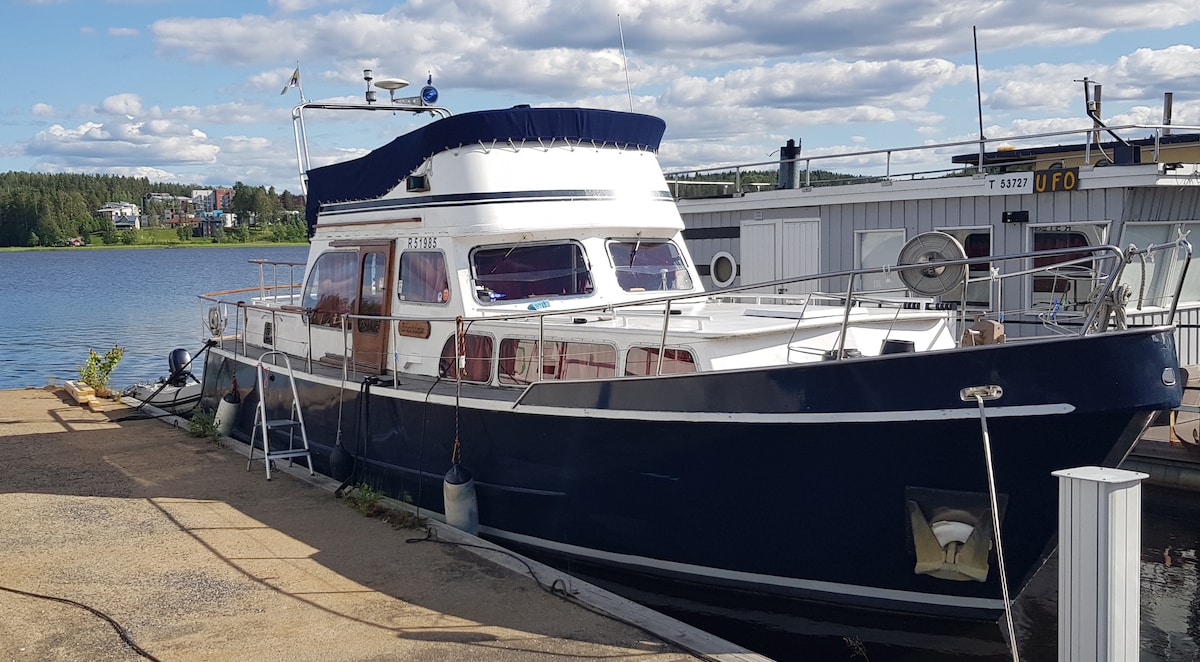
(1099, 550)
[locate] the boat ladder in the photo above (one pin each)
(263, 375)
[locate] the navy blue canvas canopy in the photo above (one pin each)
(378, 172)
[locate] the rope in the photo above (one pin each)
(1142, 284)
(115, 625)
(460, 366)
(991, 476)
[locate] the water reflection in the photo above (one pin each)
(1170, 583)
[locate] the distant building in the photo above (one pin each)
(207, 222)
(211, 200)
(123, 215)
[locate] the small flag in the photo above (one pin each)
(294, 81)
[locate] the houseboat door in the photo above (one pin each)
(781, 248)
(374, 298)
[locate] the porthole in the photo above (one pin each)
(722, 269)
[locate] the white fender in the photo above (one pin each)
(458, 496)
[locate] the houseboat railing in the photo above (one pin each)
(1107, 262)
(676, 178)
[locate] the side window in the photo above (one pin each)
(423, 277)
(330, 291)
(649, 265)
(478, 365)
(642, 361)
(506, 273)
(560, 360)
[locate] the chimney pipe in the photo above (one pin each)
(1168, 97)
(789, 174)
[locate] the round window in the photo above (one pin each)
(723, 269)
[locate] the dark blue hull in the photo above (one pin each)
(797, 480)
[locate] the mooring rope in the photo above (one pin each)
(991, 476)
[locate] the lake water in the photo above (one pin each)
(57, 304)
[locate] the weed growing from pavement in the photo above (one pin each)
(368, 501)
(203, 424)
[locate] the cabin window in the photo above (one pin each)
(643, 265)
(423, 277)
(1158, 274)
(507, 273)
(371, 295)
(478, 352)
(642, 361)
(330, 291)
(560, 360)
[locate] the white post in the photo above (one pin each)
(1099, 549)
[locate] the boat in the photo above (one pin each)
(503, 299)
(176, 393)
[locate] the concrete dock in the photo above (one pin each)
(195, 558)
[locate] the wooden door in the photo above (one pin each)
(374, 298)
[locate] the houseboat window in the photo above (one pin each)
(560, 360)
(641, 361)
(878, 248)
(330, 291)
(478, 350)
(1070, 283)
(1161, 272)
(643, 265)
(976, 242)
(506, 273)
(371, 295)
(423, 277)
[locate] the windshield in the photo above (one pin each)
(643, 265)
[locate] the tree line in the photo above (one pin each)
(723, 184)
(39, 209)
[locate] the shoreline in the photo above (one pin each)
(251, 244)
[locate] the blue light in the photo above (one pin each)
(429, 94)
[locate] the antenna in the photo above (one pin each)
(978, 98)
(369, 76)
(625, 63)
(978, 90)
(391, 85)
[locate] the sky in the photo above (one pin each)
(189, 92)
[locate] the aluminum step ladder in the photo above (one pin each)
(263, 375)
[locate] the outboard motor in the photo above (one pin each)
(178, 360)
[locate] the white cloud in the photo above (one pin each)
(122, 144)
(733, 78)
(126, 104)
